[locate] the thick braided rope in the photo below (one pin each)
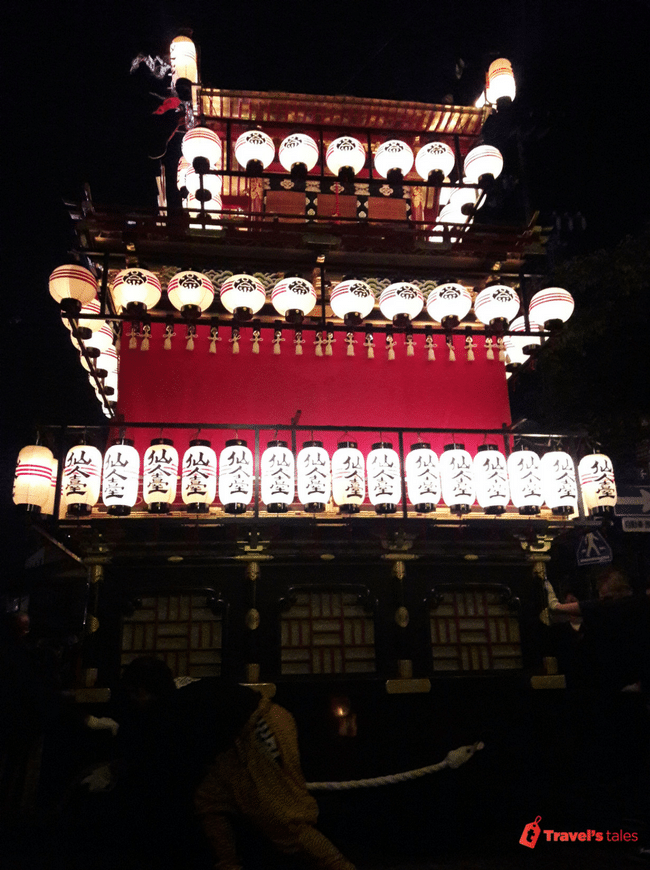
(452, 760)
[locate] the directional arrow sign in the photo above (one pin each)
(632, 500)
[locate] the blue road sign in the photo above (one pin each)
(593, 549)
(632, 501)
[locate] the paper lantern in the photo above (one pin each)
(401, 302)
(50, 501)
(199, 476)
(559, 482)
(448, 304)
(394, 160)
(483, 164)
(384, 478)
(597, 482)
(202, 185)
(201, 148)
(72, 287)
(525, 478)
(501, 82)
(120, 477)
(33, 477)
(457, 478)
(352, 300)
(136, 290)
(182, 57)
(254, 151)
(181, 175)
(298, 154)
(314, 478)
(277, 471)
(551, 306)
(293, 298)
(86, 326)
(159, 475)
(345, 157)
(201, 209)
(236, 476)
(348, 477)
(491, 479)
(110, 384)
(464, 199)
(106, 362)
(242, 295)
(422, 477)
(449, 215)
(190, 293)
(98, 342)
(435, 161)
(496, 305)
(518, 348)
(81, 479)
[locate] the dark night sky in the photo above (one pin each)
(75, 115)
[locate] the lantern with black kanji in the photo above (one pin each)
(384, 478)
(597, 482)
(422, 477)
(160, 475)
(278, 478)
(190, 293)
(136, 290)
(559, 482)
(491, 479)
(33, 477)
(81, 479)
(254, 151)
(496, 305)
(199, 476)
(345, 157)
(120, 477)
(525, 479)
(243, 296)
(314, 478)
(448, 304)
(348, 477)
(236, 476)
(352, 300)
(394, 160)
(401, 302)
(298, 154)
(434, 162)
(293, 298)
(72, 287)
(457, 478)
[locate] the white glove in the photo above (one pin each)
(103, 723)
(550, 596)
(101, 779)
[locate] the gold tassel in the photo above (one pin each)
(489, 353)
(502, 350)
(318, 344)
(133, 340)
(469, 347)
(144, 344)
(190, 343)
(430, 346)
(349, 340)
(410, 346)
(328, 343)
(452, 352)
(256, 341)
(235, 345)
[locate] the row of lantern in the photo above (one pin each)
(138, 290)
(460, 480)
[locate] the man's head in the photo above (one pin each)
(612, 585)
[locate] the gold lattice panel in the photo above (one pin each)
(327, 633)
(474, 631)
(180, 629)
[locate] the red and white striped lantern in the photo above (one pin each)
(496, 305)
(242, 295)
(81, 479)
(501, 82)
(160, 475)
(190, 292)
(199, 476)
(401, 302)
(98, 342)
(182, 57)
(394, 158)
(515, 345)
(422, 471)
(254, 151)
(449, 304)
(550, 306)
(352, 301)
(204, 146)
(435, 161)
(120, 477)
(293, 298)
(85, 324)
(236, 476)
(136, 290)
(105, 363)
(203, 186)
(72, 287)
(345, 157)
(482, 164)
(348, 477)
(298, 150)
(33, 476)
(597, 482)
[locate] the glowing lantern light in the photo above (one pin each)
(235, 476)
(348, 477)
(491, 479)
(298, 154)
(293, 298)
(254, 151)
(448, 304)
(110, 385)
(352, 301)
(501, 82)
(449, 215)
(401, 302)
(551, 306)
(50, 502)
(457, 478)
(190, 293)
(105, 363)
(345, 157)
(81, 480)
(85, 326)
(314, 478)
(120, 477)
(242, 295)
(203, 186)
(202, 148)
(434, 162)
(464, 199)
(181, 175)
(182, 57)
(277, 470)
(98, 342)
(384, 478)
(136, 290)
(496, 305)
(393, 160)
(159, 475)
(33, 477)
(422, 477)
(199, 476)
(597, 482)
(482, 165)
(519, 348)
(72, 287)
(559, 482)
(525, 476)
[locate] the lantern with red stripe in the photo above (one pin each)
(98, 342)
(525, 478)
(33, 477)
(457, 478)
(401, 302)
(519, 347)
(160, 475)
(422, 477)
(448, 304)
(254, 151)
(277, 472)
(559, 482)
(104, 364)
(597, 482)
(243, 296)
(50, 501)
(199, 476)
(298, 154)
(314, 478)
(434, 162)
(501, 87)
(496, 305)
(236, 476)
(85, 325)
(345, 157)
(190, 293)
(482, 165)
(394, 160)
(120, 477)
(348, 477)
(551, 307)
(181, 175)
(202, 148)
(352, 301)
(202, 185)
(293, 298)
(182, 58)
(81, 480)
(384, 478)
(136, 290)
(72, 287)
(491, 479)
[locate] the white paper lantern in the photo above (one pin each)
(435, 161)
(72, 287)
(120, 477)
(50, 502)
(182, 57)
(559, 482)
(515, 345)
(551, 305)
(314, 477)
(352, 301)
(110, 383)
(105, 363)
(501, 81)
(136, 290)
(384, 478)
(278, 477)
(525, 478)
(496, 305)
(482, 163)
(293, 298)
(597, 482)
(449, 304)
(348, 477)
(394, 158)
(422, 471)
(464, 199)
(98, 342)
(298, 150)
(33, 476)
(242, 295)
(450, 215)
(401, 302)
(81, 479)
(84, 324)
(159, 475)
(491, 479)
(202, 185)
(345, 156)
(198, 209)
(236, 476)
(457, 478)
(204, 146)
(254, 151)
(181, 175)
(199, 476)
(190, 292)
